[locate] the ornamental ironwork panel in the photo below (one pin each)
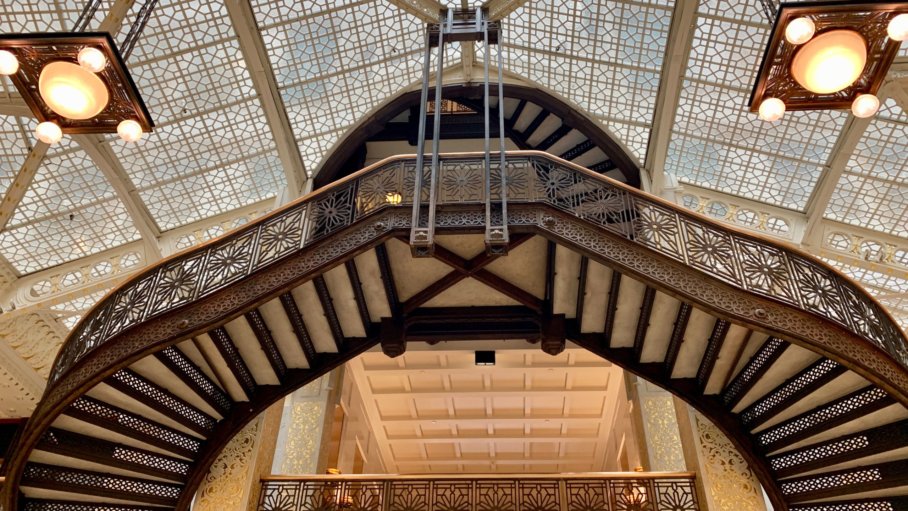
(595, 492)
(738, 259)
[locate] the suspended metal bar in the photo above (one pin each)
(416, 233)
(137, 27)
(498, 239)
(88, 13)
(436, 134)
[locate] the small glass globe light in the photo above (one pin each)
(800, 30)
(898, 27)
(865, 105)
(9, 64)
(129, 130)
(393, 198)
(92, 59)
(49, 133)
(830, 62)
(772, 109)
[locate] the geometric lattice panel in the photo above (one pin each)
(212, 150)
(873, 189)
(717, 143)
(334, 65)
(13, 149)
(604, 57)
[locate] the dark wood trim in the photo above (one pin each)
(848, 481)
(646, 310)
(515, 116)
(387, 278)
(358, 295)
(125, 457)
(791, 391)
(677, 337)
(713, 347)
(299, 327)
(578, 150)
(266, 342)
(535, 123)
(74, 480)
(603, 166)
(118, 420)
(755, 368)
(551, 251)
(191, 375)
(553, 139)
(227, 348)
(161, 400)
(841, 449)
(824, 417)
(611, 307)
(71, 505)
(581, 288)
(324, 297)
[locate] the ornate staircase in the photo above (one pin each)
(802, 370)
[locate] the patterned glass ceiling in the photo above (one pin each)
(873, 189)
(717, 143)
(215, 148)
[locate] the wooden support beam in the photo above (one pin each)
(791, 391)
(324, 297)
(358, 295)
(824, 417)
(713, 347)
(387, 278)
(124, 457)
(234, 361)
(126, 423)
(611, 308)
(756, 367)
(578, 150)
(549, 293)
(515, 116)
(841, 449)
(646, 310)
(581, 288)
(498, 9)
(100, 484)
(299, 327)
(266, 342)
(473, 268)
(553, 139)
(534, 124)
(184, 369)
(677, 338)
(604, 166)
(161, 400)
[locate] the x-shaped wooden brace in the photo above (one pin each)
(474, 268)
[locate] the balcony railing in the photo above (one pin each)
(568, 492)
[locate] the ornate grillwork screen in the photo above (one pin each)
(614, 492)
(736, 258)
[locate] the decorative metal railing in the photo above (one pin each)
(737, 258)
(575, 492)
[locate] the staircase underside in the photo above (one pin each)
(138, 419)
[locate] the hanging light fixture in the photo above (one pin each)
(77, 82)
(828, 55)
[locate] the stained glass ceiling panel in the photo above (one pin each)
(336, 61)
(212, 150)
(605, 56)
(873, 189)
(717, 143)
(70, 211)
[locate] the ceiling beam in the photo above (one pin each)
(255, 55)
(841, 153)
(677, 51)
(104, 158)
(14, 105)
(426, 10)
(21, 182)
